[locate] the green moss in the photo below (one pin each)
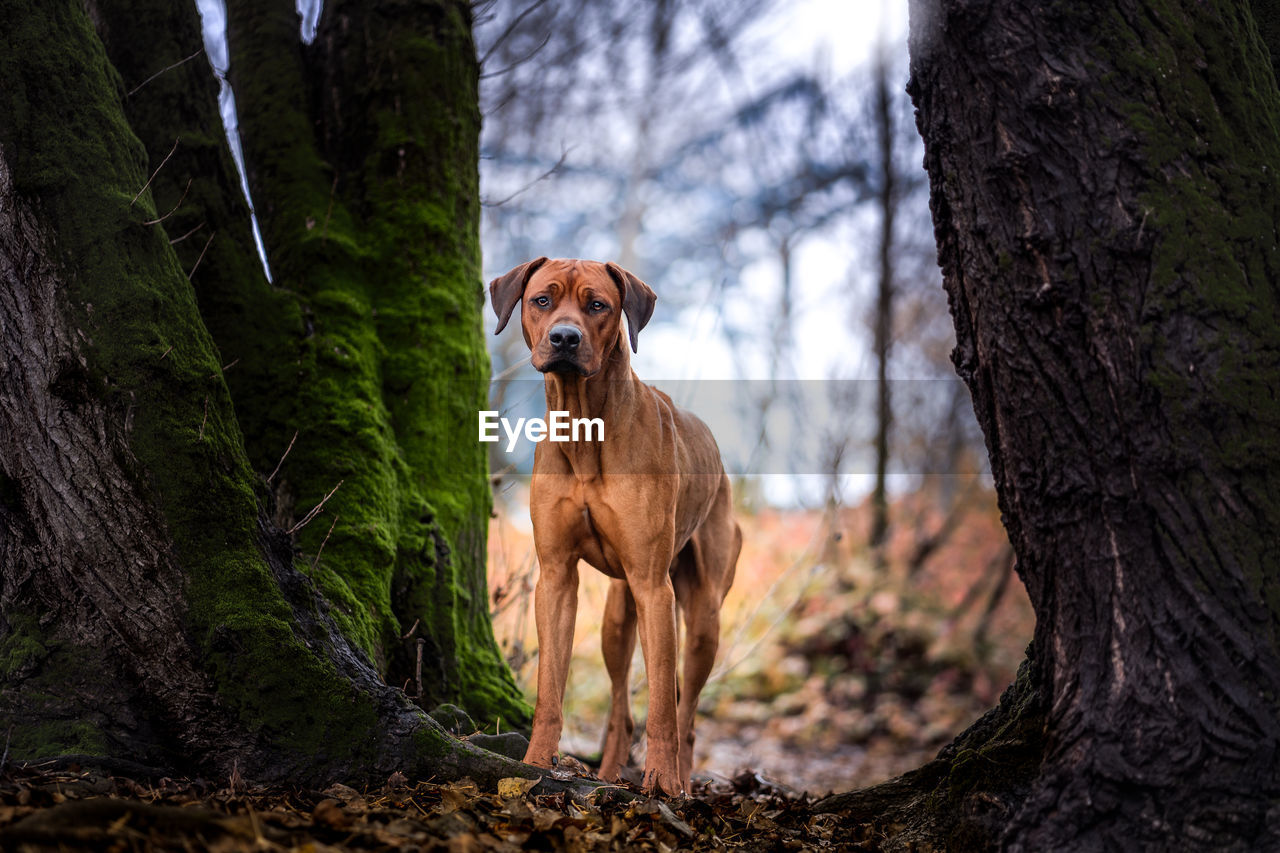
(57, 737)
(38, 716)
(376, 231)
(339, 362)
(152, 363)
(22, 648)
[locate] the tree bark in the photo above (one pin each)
(1105, 195)
(150, 608)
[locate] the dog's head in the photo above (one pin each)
(572, 311)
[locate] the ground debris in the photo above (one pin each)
(42, 808)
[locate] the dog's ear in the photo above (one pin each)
(505, 290)
(637, 300)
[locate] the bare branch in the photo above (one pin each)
(512, 369)
(324, 234)
(224, 368)
(129, 94)
(522, 60)
(201, 258)
(564, 155)
(282, 458)
(176, 240)
(511, 28)
(319, 550)
(156, 172)
(181, 199)
(315, 510)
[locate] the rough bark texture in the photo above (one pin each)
(1105, 189)
(149, 607)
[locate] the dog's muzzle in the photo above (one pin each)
(564, 340)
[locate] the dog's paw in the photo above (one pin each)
(539, 757)
(662, 782)
(570, 766)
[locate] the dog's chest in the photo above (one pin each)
(595, 543)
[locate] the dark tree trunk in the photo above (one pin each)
(150, 607)
(883, 333)
(1106, 191)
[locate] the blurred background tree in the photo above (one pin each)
(781, 212)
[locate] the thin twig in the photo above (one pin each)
(282, 458)
(324, 233)
(129, 94)
(201, 258)
(185, 236)
(4, 759)
(524, 189)
(511, 28)
(484, 75)
(316, 561)
(314, 511)
(181, 199)
(417, 672)
(205, 420)
(512, 369)
(156, 172)
(166, 352)
(225, 368)
(412, 628)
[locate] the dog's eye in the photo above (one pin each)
(597, 305)
(541, 301)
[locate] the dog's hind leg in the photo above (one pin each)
(618, 640)
(704, 572)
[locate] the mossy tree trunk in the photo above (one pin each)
(1106, 192)
(362, 152)
(151, 378)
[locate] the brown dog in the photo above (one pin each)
(649, 506)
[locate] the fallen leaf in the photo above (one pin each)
(330, 813)
(515, 786)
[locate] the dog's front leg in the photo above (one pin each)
(656, 612)
(555, 608)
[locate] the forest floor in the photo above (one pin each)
(837, 670)
(70, 808)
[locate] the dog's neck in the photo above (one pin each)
(612, 390)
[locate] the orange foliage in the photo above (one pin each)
(836, 669)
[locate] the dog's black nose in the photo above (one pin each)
(564, 338)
